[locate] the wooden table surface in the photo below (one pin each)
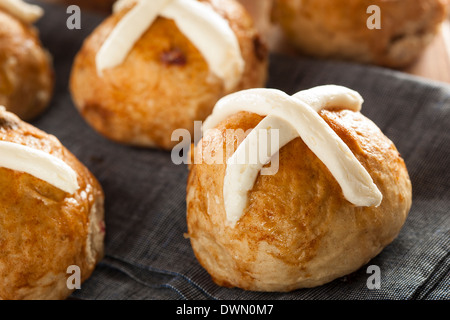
(433, 64)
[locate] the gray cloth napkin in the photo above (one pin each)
(147, 256)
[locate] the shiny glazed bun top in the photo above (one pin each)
(26, 74)
(51, 214)
(157, 66)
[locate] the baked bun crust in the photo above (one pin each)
(44, 230)
(338, 28)
(164, 84)
(26, 74)
(298, 230)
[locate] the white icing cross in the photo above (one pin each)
(24, 11)
(294, 116)
(39, 164)
(209, 32)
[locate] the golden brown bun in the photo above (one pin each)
(298, 230)
(164, 84)
(44, 230)
(338, 28)
(26, 74)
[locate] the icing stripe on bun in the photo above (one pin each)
(295, 116)
(38, 164)
(209, 32)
